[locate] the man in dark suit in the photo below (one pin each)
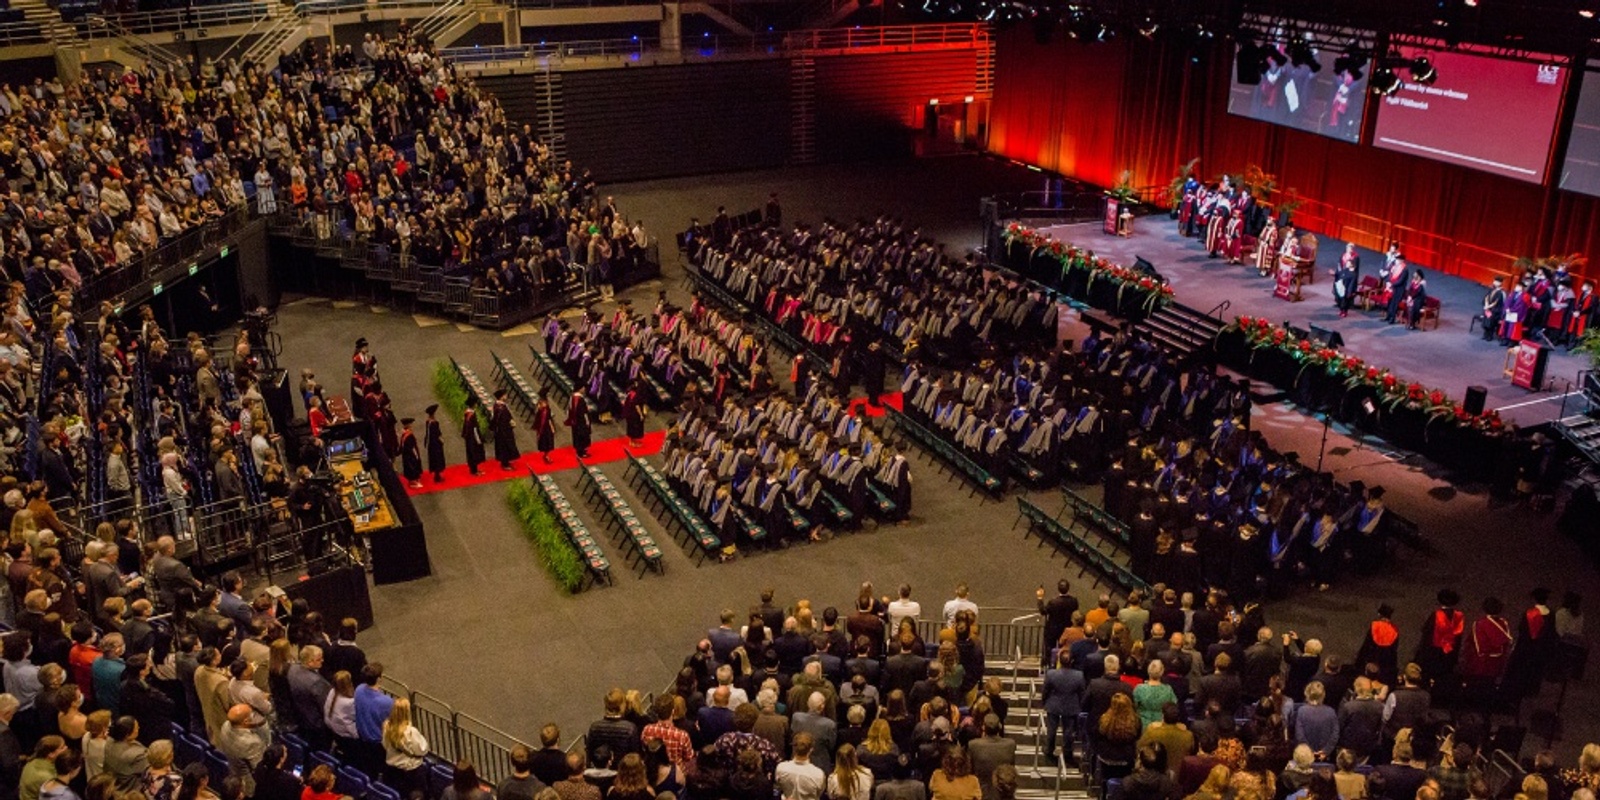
(1064, 689)
(168, 573)
(715, 719)
(233, 606)
(904, 668)
(1221, 685)
(344, 655)
(1262, 661)
(724, 638)
(1057, 613)
(549, 762)
(1097, 698)
(150, 706)
(771, 615)
(863, 663)
(1167, 613)
(793, 648)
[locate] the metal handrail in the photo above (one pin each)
(234, 45)
(1061, 770)
(21, 32)
(782, 42)
(1216, 310)
(197, 17)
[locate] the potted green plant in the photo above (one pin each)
(1123, 191)
(1175, 188)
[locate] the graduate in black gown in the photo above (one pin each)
(504, 428)
(410, 454)
(580, 419)
(633, 413)
(433, 437)
(544, 427)
(472, 435)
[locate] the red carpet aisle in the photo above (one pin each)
(601, 452)
(892, 400)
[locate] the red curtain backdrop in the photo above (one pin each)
(1093, 111)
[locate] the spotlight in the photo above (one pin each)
(1276, 55)
(1423, 72)
(1148, 28)
(1301, 55)
(1384, 81)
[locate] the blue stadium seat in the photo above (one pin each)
(352, 782)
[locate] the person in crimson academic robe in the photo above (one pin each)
(581, 422)
(363, 370)
(1494, 309)
(433, 437)
(1215, 225)
(1267, 247)
(1441, 638)
(1186, 209)
(544, 427)
(1584, 308)
(1381, 646)
(1536, 647)
(503, 427)
(410, 454)
(719, 386)
(472, 435)
(1416, 299)
(1561, 301)
(382, 417)
(633, 413)
(1198, 210)
(1484, 652)
(1395, 282)
(1539, 300)
(1345, 278)
(1233, 237)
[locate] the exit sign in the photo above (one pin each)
(157, 289)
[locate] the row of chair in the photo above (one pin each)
(190, 748)
(697, 535)
(640, 547)
(948, 453)
(470, 382)
(1091, 515)
(1053, 531)
(550, 372)
(508, 377)
(594, 559)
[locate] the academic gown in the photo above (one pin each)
(578, 419)
(503, 427)
(433, 434)
(633, 414)
(544, 428)
(472, 437)
(410, 456)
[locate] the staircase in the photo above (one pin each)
(57, 30)
(451, 21)
(129, 48)
(1583, 430)
(985, 80)
(550, 118)
(1181, 329)
(802, 108)
(285, 31)
(1037, 778)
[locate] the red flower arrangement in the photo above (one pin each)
(1392, 392)
(1072, 258)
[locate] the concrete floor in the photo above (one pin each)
(490, 634)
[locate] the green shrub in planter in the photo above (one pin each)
(542, 528)
(452, 396)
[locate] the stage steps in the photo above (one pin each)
(1181, 328)
(1583, 431)
(1037, 777)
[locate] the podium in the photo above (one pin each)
(1113, 215)
(1528, 369)
(1287, 281)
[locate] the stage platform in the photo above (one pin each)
(1446, 358)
